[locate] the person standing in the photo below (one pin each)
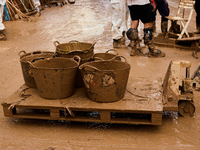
(197, 9)
(163, 8)
(2, 27)
(120, 14)
(142, 10)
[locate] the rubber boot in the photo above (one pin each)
(164, 27)
(148, 40)
(2, 35)
(132, 35)
(123, 39)
(120, 43)
(133, 44)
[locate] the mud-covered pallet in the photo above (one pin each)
(142, 104)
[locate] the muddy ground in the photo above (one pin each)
(88, 20)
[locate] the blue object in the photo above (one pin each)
(7, 17)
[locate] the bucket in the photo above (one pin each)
(105, 81)
(69, 50)
(106, 55)
(24, 58)
(55, 77)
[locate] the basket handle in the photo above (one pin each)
(113, 59)
(92, 45)
(24, 52)
(77, 58)
(112, 50)
(98, 58)
(56, 42)
(89, 66)
(30, 68)
(36, 52)
(37, 59)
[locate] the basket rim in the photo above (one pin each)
(128, 66)
(58, 49)
(71, 59)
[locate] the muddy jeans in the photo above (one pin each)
(120, 15)
(2, 27)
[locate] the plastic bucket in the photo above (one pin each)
(69, 50)
(24, 58)
(105, 81)
(55, 77)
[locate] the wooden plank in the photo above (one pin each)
(105, 116)
(156, 119)
(8, 112)
(143, 96)
(54, 113)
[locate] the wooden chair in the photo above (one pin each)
(184, 19)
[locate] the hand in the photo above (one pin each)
(153, 5)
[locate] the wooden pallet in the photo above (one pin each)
(142, 104)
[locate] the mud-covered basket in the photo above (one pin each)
(105, 56)
(105, 81)
(55, 77)
(69, 50)
(24, 58)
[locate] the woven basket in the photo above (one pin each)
(69, 50)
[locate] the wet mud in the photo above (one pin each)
(89, 21)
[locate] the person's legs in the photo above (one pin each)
(119, 22)
(163, 9)
(2, 27)
(146, 19)
(197, 6)
(132, 35)
(148, 40)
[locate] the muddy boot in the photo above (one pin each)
(164, 27)
(123, 39)
(148, 40)
(116, 43)
(133, 48)
(2, 35)
(120, 43)
(132, 35)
